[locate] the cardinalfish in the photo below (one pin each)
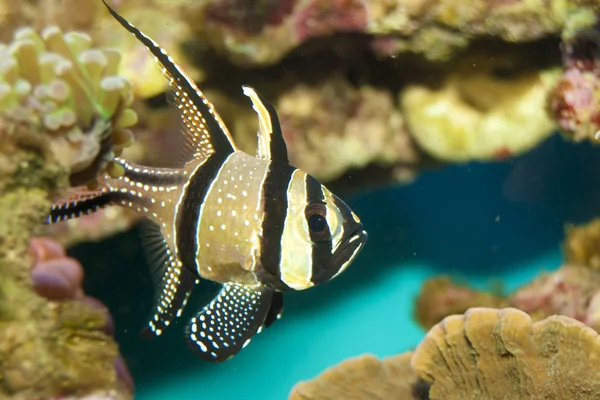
(254, 224)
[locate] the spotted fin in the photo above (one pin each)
(229, 321)
(173, 283)
(271, 145)
(80, 202)
(204, 131)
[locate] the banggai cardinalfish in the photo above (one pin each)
(254, 224)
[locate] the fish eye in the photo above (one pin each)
(316, 218)
(317, 223)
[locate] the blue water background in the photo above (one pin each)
(475, 222)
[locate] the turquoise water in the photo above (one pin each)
(475, 222)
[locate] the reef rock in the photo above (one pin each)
(263, 32)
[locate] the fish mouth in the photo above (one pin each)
(349, 249)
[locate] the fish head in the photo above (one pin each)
(320, 238)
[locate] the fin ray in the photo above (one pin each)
(228, 323)
(205, 132)
(173, 282)
(271, 145)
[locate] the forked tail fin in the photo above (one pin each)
(80, 202)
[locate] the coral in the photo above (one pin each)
(568, 291)
(440, 297)
(363, 378)
(58, 277)
(334, 115)
(575, 103)
(58, 84)
(47, 347)
(572, 290)
(489, 106)
(501, 354)
(582, 244)
(263, 32)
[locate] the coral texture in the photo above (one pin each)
(502, 354)
(364, 378)
(572, 290)
(582, 244)
(575, 102)
(48, 347)
(263, 32)
(58, 84)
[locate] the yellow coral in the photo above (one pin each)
(58, 84)
(477, 115)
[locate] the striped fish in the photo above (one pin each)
(254, 224)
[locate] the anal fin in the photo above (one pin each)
(229, 321)
(173, 282)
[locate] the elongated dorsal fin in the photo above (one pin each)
(271, 145)
(204, 131)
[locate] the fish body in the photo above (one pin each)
(254, 224)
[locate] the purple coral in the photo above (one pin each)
(250, 16)
(325, 17)
(576, 99)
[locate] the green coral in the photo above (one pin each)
(59, 84)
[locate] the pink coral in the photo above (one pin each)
(576, 99)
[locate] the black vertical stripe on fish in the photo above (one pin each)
(321, 249)
(188, 213)
(275, 206)
(273, 138)
(187, 94)
(229, 321)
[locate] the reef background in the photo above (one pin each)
(501, 222)
(369, 93)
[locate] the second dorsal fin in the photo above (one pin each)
(271, 145)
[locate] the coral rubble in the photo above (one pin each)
(55, 106)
